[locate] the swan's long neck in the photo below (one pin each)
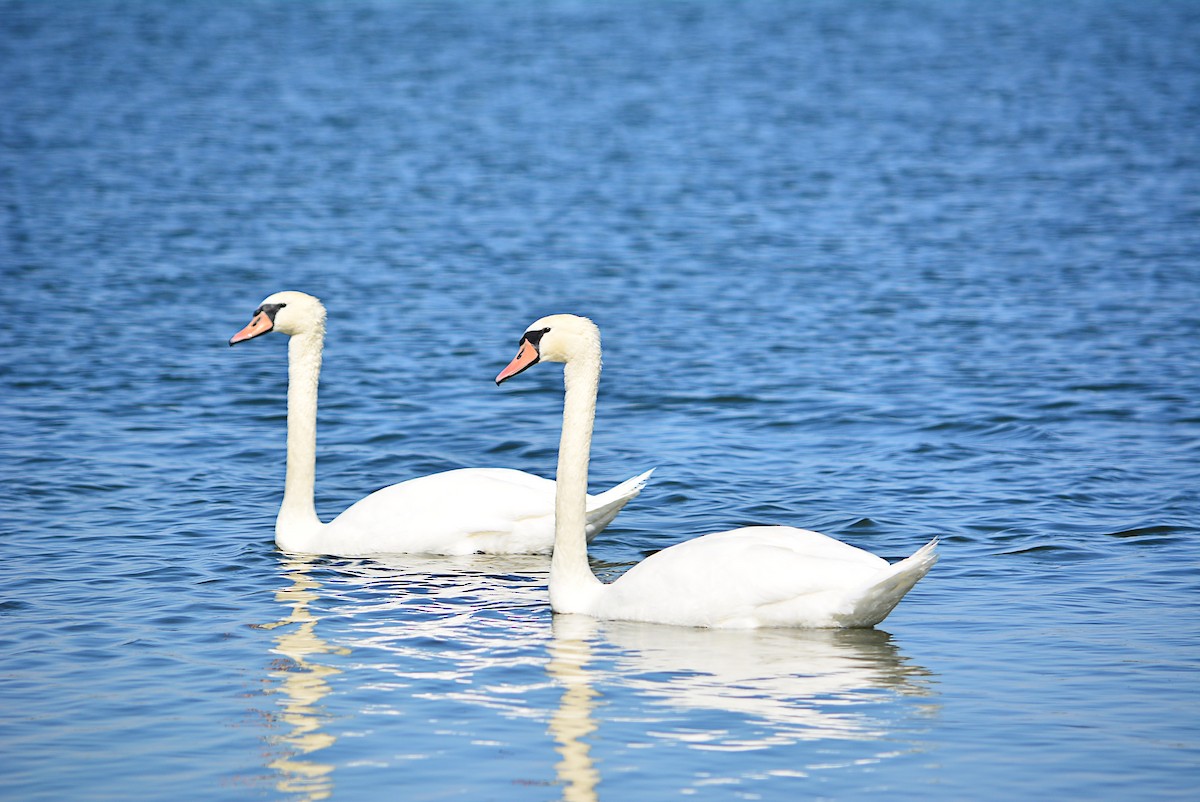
(572, 584)
(297, 519)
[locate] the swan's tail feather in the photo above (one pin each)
(604, 507)
(873, 604)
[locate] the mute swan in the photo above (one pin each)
(466, 511)
(758, 576)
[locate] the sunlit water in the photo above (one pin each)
(886, 270)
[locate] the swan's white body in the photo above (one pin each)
(466, 511)
(762, 576)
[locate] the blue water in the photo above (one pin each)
(889, 270)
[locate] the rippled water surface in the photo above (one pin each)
(889, 270)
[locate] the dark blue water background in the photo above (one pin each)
(889, 270)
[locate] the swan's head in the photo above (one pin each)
(557, 338)
(286, 312)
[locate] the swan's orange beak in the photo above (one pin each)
(261, 324)
(526, 358)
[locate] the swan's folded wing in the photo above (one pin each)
(454, 512)
(732, 579)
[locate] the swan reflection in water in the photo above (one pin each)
(572, 721)
(795, 685)
(302, 684)
(425, 612)
(475, 633)
(802, 685)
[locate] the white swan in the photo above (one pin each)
(759, 576)
(466, 511)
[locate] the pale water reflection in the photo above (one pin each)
(448, 624)
(301, 685)
(798, 685)
(570, 651)
(435, 650)
(785, 686)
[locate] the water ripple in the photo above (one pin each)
(886, 270)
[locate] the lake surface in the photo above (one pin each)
(888, 270)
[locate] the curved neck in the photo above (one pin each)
(572, 583)
(298, 515)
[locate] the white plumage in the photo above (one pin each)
(466, 511)
(760, 576)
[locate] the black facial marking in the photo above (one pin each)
(534, 338)
(269, 309)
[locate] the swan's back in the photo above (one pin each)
(493, 510)
(464, 511)
(750, 577)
